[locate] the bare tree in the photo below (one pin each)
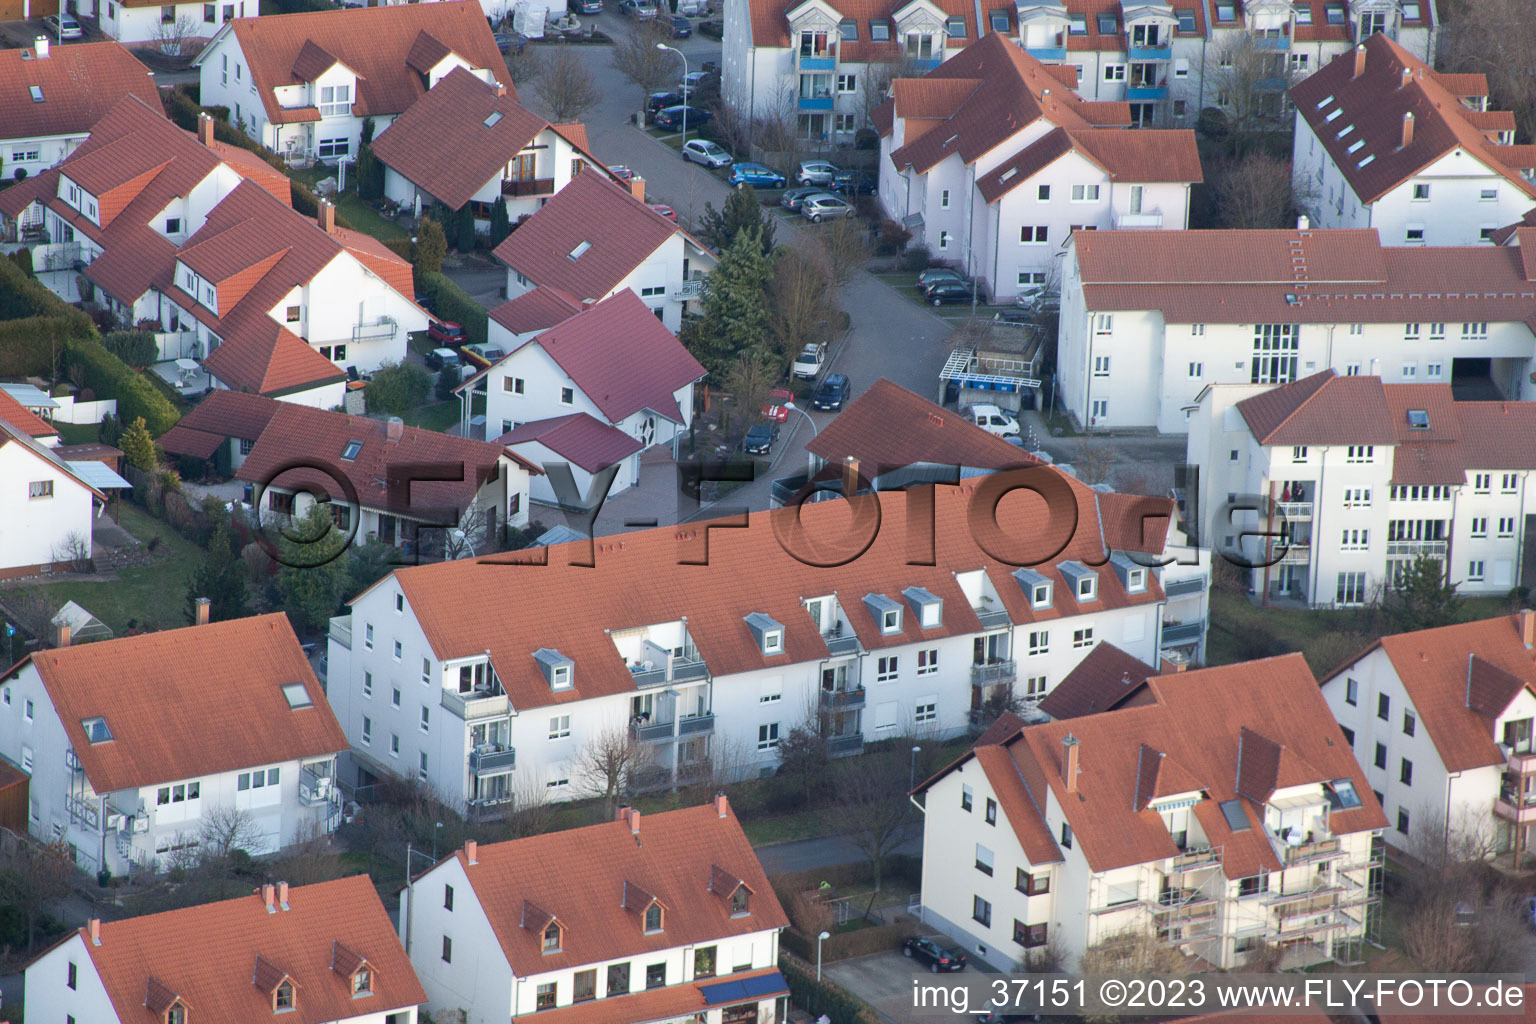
(733, 127)
(608, 762)
(1492, 38)
(226, 829)
(524, 65)
(847, 246)
(171, 34)
(1250, 85)
(804, 758)
(749, 380)
(532, 813)
(1093, 462)
(800, 297)
(1255, 191)
(74, 551)
(309, 859)
(872, 805)
(1131, 952)
(566, 87)
(34, 877)
(877, 78)
(637, 58)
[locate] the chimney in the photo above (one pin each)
(622, 813)
(1406, 78)
(1407, 130)
(501, 90)
(1359, 60)
(471, 849)
(850, 476)
(94, 928)
(40, 47)
(327, 216)
(1303, 223)
(282, 895)
(205, 130)
(1069, 762)
(1528, 628)
(637, 187)
(269, 896)
(202, 610)
(60, 633)
(1167, 666)
(394, 430)
(634, 821)
(721, 805)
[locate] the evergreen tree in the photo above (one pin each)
(138, 446)
(367, 131)
(431, 246)
(465, 240)
(370, 174)
(501, 224)
(735, 317)
(1422, 598)
(221, 578)
(315, 570)
(742, 212)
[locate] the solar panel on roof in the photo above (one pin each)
(1232, 810)
(765, 985)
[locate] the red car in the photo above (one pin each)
(665, 211)
(621, 172)
(446, 333)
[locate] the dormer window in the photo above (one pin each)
(362, 982)
(1083, 580)
(654, 919)
(562, 676)
(1087, 588)
(1132, 576)
(885, 612)
(559, 671)
(1137, 580)
(177, 1014)
(96, 730)
(1037, 588)
(768, 632)
(928, 609)
(282, 997)
(741, 902)
(550, 941)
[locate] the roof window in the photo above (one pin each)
(1226, 12)
(559, 671)
(1303, 12)
(1369, 159)
(1342, 794)
(1418, 419)
(1344, 131)
(1324, 101)
(580, 250)
(928, 609)
(352, 451)
(37, 94)
(1036, 586)
(1107, 26)
(96, 729)
(1077, 24)
(1412, 11)
(848, 29)
(1334, 115)
(885, 612)
(998, 20)
(1356, 146)
(769, 633)
(1334, 14)
(297, 695)
(880, 31)
(1232, 810)
(955, 27)
(492, 118)
(1186, 18)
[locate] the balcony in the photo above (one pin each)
(687, 670)
(844, 746)
(1510, 808)
(381, 329)
(818, 61)
(1144, 93)
(83, 811)
(993, 618)
(650, 732)
(1139, 53)
(993, 673)
(1047, 53)
(58, 256)
(1294, 509)
(1271, 43)
(528, 187)
(1415, 548)
(688, 290)
(476, 704)
(1195, 860)
(1520, 763)
(72, 761)
(696, 725)
(1308, 852)
(1297, 554)
(842, 700)
(341, 630)
(1177, 634)
(315, 789)
(492, 759)
(489, 808)
(840, 643)
(1152, 220)
(679, 670)
(925, 64)
(815, 103)
(1185, 587)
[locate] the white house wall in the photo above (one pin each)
(51, 997)
(33, 531)
(478, 979)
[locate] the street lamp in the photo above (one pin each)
(438, 828)
(912, 776)
(686, 98)
(810, 460)
(823, 937)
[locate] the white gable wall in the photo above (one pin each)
(33, 531)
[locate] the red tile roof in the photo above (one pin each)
(1434, 666)
(1313, 276)
(575, 133)
(299, 432)
(208, 954)
(644, 577)
(451, 119)
(619, 229)
(536, 310)
(1106, 679)
(770, 24)
(590, 443)
(24, 419)
(220, 416)
(1393, 84)
(661, 1004)
(375, 42)
(15, 435)
(80, 83)
(578, 876)
(188, 702)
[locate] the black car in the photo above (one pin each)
(948, 291)
(937, 957)
(853, 183)
(671, 118)
(832, 392)
(680, 28)
(792, 199)
(933, 275)
(760, 438)
(585, 6)
(510, 42)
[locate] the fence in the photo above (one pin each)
(72, 411)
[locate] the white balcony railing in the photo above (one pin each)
(1153, 219)
(1414, 548)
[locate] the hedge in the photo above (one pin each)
(27, 345)
(880, 938)
(818, 997)
(898, 866)
(399, 246)
(452, 303)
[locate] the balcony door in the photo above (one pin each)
(988, 650)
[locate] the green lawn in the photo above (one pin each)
(784, 828)
(149, 595)
(78, 433)
(438, 416)
(366, 219)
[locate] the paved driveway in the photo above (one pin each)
(884, 981)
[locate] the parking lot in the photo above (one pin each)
(884, 981)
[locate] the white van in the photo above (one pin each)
(995, 421)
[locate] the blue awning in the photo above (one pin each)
(741, 991)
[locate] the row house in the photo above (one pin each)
(304, 85)
(132, 744)
(669, 918)
(1440, 719)
(1343, 482)
(593, 239)
(1168, 61)
(1149, 319)
(1384, 141)
(198, 239)
(311, 954)
(1224, 816)
(993, 163)
(649, 635)
(51, 96)
(503, 153)
(612, 363)
(48, 504)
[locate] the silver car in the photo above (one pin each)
(818, 207)
(816, 172)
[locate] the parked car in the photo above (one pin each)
(692, 8)
(445, 333)
(702, 151)
(933, 275)
(832, 392)
(822, 205)
(483, 355)
(621, 172)
(680, 28)
(816, 172)
(854, 183)
(755, 175)
(709, 67)
(808, 363)
(948, 291)
(1038, 299)
(995, 421)
(693, 80)
(661, 101)
(640, 10)
(937, 957)
(585, 6)
(671, 118)
(443, 359)
(63, 26)
(665, 210)
(510, 42)
(792, 199)
(759, 439)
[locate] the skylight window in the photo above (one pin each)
(37, 94)
(580, 250)
(1342, 792)
(1335, 14)
(1232, 810)
(1367, 160)
(297, 695)
(492, 118)
(1107, 24)
(999, 21)
(955, 28)
(1186, 20)
(1303, 13)
(96, 729)
(1324, 101)
(880, 31)
(1345, 131)
(848, 29)
(352, 450)
(1354, 146)
(1418, 419)
(1078, 24)
(1334, 115)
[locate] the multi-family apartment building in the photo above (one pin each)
(824, 66)
(1224, 816)
(132, 743)
(311, 954)
(650, 635)
(1385, 141)
(1440, 720)
(594, 238)
(304, 84)
(197, 237)
(1347, 480)
(1150, 318)
(669, 917)
(993, 163)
